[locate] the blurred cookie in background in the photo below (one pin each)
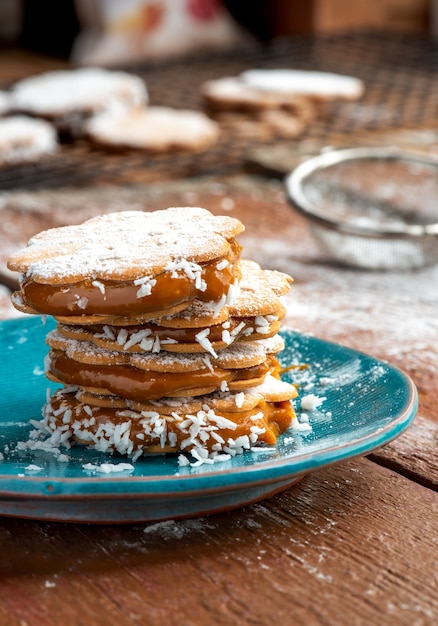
(24, 139)
(275, 102)
(153, 129)
(68, 97)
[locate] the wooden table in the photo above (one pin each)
(353, 544)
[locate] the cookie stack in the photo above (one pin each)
(166, 339)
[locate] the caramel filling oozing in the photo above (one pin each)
(135, 384)
(127, 298)
(273, 419)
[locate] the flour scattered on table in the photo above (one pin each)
(49, 584)
(175, 529)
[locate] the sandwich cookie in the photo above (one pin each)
(212, 428)
(129, 264)
(153, 130)
(256, 313)
(145, 376)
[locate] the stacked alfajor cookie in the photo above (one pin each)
(166, 339)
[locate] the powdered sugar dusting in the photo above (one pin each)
(86, 89)
(154, 128)
(25, 139)
(169, 530)
(323, 84)
(129, 245)
(391, 315)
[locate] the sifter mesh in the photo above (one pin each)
(370, 207)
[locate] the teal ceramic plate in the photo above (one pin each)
(363, 404)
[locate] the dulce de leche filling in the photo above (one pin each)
(270, 418)
(136, 384)
(209, 282)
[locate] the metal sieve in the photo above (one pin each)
(375, 208)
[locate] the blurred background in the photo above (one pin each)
(84, 30)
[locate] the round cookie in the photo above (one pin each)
(317, 85)
(153, 129)
(130, 263)
(141, 376)
(67, 97)
(272, 389)
(24, 139)
(212, 429)
(232, 94)
(267, 90)
(255, 314)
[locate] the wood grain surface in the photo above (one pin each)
(354, 544)
(414, 454)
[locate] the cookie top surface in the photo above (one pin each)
(259, 290)
(153, 128)
(276, 86)
(61, 92)
(25, 139)
(324, 84)
(126, 246)
(231, 92)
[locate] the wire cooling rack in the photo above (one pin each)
(399, 73)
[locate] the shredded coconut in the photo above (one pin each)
(108, 468)
(239, 399)
(311, 402)
(233, 293)
(190, 269)
(222, 264)
(202, 339)
(33, 468)
(82, 302)
(146, 285)
(99, 285)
